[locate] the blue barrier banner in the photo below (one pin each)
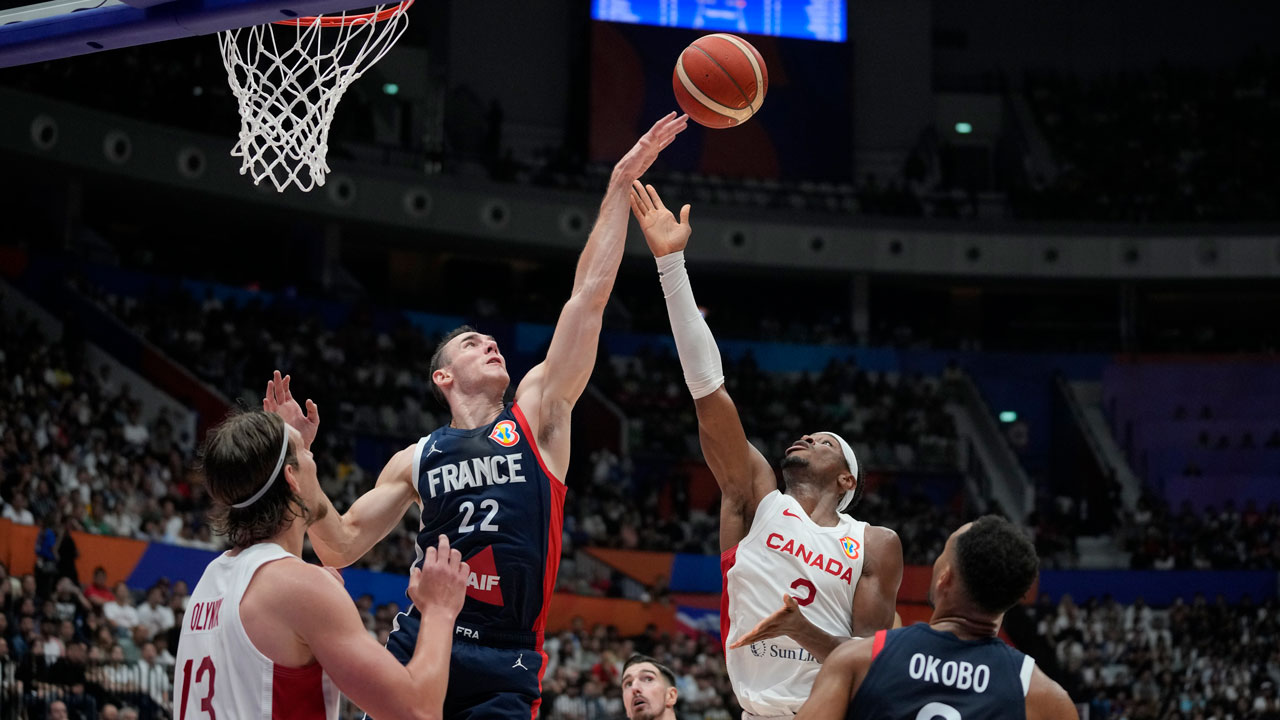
(170, 561)
(1159, 587)
(695, 573)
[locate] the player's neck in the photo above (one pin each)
(965, 626)
(291, 538)
(818, 505)
(469, 412)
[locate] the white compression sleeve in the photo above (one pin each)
(699, 356)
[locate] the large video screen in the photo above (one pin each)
(803, 132)
(805, 19)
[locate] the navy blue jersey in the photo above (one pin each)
(918, 673)
(488, 490)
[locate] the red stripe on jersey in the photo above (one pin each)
(727, 559)
(297, 693)
(878, 644)
(555, 532)
(524, 425)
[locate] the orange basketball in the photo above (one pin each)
(720, 80)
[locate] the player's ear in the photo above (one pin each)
(441, 377)
(291, 477)
(672, 696)
(846, 481)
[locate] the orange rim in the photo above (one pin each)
(346, 19)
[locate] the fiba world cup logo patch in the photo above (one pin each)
(504, 433)
(850, 547)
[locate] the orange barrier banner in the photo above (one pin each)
(641, 565)
(118, 556)
(630, 616)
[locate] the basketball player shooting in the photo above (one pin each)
(793, 548)
(492, 479)
(267, 635)
(953, 667)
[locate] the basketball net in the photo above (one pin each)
(288, 78)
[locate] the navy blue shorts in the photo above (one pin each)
(485, 683)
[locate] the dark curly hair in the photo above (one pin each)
(437, 361)
(237, 458)
(997, 563)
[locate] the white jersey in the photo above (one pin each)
(219, 673)
(786, 552)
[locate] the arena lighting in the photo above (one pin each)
(964, 128)
(390, 88)
(1008, 416)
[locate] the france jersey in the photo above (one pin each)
(918, 673)
(489, 491)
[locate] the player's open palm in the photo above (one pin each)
(785, 621)
(441, 585)
(279, 400)
(645, 151)
(662, 231)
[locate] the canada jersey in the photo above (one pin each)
(919, 672)
(220, 673)
(488, 490)
(786, 552)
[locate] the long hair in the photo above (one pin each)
(237, 458)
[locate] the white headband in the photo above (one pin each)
(852, 460)
(284, 450)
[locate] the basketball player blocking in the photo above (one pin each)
(492, 479)
(953, 667)
(277, 637)
(835, 577)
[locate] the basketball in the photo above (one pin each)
(720, 80)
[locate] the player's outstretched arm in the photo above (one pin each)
(341, 539)
(548, 393)
(742, 472)
(319, 611)
(876, 601)
(837, 681)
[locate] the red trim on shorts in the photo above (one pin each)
(524, 425)
(555, 533)
(297, 693)
(727, 559)
(878, 644)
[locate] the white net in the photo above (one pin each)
(288, 80)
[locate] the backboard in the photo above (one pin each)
(62, 28)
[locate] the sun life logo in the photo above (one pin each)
(504, 433)
(759, 649)
(850, 547)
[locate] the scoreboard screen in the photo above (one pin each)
(805, 19)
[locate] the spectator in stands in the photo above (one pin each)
(120, 613)
(98, 593)
(155, 615)
(17, 510)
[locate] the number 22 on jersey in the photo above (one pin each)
(468, 511)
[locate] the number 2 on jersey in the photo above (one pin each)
(206, 703)
(469, 509)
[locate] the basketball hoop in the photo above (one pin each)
(288, 83)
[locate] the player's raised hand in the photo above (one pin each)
(786, 621)
(645, 151)
(662, 231)
(279, 400)
(441, 585)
